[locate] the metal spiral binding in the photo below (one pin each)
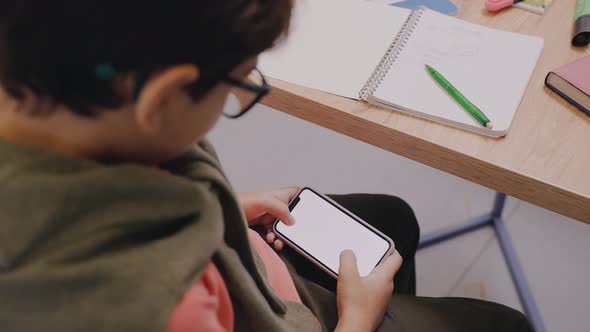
(391, 54)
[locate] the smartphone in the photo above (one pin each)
(323, 229)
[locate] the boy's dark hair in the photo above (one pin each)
(53, 48)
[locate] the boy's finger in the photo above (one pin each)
(348, 270)
(280, 210)
(285, 194)
(267, 220)
(270, 237)
(389, 267)
(278, 244)
(292, 191)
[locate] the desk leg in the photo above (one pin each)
(495, 219)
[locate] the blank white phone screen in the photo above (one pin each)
(323, 231)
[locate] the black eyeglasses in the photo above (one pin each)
(244, 94)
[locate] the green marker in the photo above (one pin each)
(467, 105)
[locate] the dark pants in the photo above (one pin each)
(406, 312)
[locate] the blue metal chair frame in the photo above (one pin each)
(494, 219)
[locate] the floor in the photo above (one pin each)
(268, 149)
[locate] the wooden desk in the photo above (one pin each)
(544, 159)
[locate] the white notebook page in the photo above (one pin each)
(490, 67)
(334, 45)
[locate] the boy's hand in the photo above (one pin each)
(362, 301)
(264, 207)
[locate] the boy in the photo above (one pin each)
(112, 219)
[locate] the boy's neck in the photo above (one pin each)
(54, 131)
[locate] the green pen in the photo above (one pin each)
(460, 98)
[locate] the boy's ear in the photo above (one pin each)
(155, 92)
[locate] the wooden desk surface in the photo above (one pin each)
(544, 159)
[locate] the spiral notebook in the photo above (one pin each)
(377, 53)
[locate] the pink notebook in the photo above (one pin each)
(572, 82)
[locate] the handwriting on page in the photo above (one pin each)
(440, 48)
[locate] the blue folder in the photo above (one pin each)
(441, 6)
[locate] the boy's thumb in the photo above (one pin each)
(389, 267)
(348, 268)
